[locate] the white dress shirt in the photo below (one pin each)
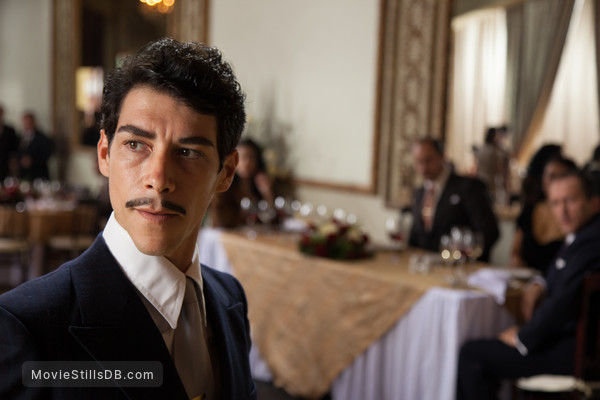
(160, 283)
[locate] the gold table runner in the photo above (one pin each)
(310, 316)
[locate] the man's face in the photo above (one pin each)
(571, 208)
(28, 123)
(428, 161)
(163, 170)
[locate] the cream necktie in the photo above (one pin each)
(190, 351)
(427, 210)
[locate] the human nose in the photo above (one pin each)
(158, 175)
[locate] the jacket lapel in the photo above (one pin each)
(228, 323)
(115, 325)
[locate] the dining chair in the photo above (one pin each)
(14, 246)
(81, 233)
(585, 381)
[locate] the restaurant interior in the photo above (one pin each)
(337, 93)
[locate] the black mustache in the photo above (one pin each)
(149, 201)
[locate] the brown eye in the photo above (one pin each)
(189, 153)
(133, 145)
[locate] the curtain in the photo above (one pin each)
(478, 80)
(536, 34)
(596, 11)
(571, 117)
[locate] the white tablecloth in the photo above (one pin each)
(417, 358)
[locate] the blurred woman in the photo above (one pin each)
(251, 173)
(250, 181)
(538, 236)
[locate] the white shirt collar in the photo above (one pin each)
(156, 278)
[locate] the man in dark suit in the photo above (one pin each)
(446, 200)
(35, 149)
(545, 344)
(171, 118)
(8, 147)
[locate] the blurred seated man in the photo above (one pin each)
(8, 146)
(35, 149)
(545, 344)
(446, 200)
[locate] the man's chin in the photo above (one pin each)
(153, 247)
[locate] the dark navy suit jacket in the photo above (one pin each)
(463, 202)
(88, 310)
(556, 318)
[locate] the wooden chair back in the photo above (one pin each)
(14, 221)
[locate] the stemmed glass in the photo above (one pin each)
(473, 242)
(453, 252)
(250, 216)
(395, 231)
(446, 249)
(394, 227)
(266, 213)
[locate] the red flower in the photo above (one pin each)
(321, 250)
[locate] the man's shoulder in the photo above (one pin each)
(464, 182)
(53, 292)
(218, 277)
(9, 129)
(41, 297)
(222, 282)
(590, 234)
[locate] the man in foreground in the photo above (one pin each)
(545, 344)
(446, 200)
(171, 118)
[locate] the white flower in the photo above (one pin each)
(354, 234)
(328, 229)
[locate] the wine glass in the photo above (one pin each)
(321, 213)
(266, 214)
(473, 243)
(395, 231)
(456, 254)
(446, 249)
(249, 210)
(394, 234)
(339, 214)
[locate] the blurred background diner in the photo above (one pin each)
(338, 93)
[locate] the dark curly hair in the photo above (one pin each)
(193, 73)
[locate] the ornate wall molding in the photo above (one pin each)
(189, 20)
(415, 46)
(66, 45)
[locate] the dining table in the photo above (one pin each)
(47, 217)
(374, 328)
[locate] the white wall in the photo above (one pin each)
(312, 66)
(26, 60)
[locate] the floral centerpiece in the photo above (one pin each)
(335, 239)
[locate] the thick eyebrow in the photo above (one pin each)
(199, 140)
(136, 131)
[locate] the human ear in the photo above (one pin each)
(103, 154)
(228, 171)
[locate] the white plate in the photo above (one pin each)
(547, 383)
